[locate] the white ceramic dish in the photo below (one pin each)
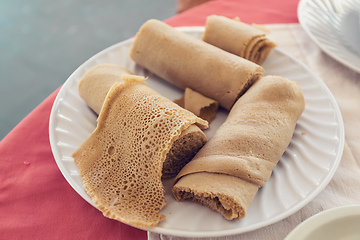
(333, 224)
(303, 171)
(334, 26)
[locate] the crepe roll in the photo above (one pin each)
(96, 83)
(188, 62)
(93, 88)
(237, 38)
(121, 162)
(227, 172)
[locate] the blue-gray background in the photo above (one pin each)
(42, 42)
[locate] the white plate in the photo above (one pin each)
(334, 26)
(303, 171)
(333, 224)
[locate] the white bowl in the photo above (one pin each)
(333, 224)
(349, 28)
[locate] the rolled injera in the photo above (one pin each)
(238, 38)
(189, 62)
(96, 83)
(227, 172)
(93, 88)
(120, 163)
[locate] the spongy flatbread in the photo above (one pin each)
(188, 62)
(96, 83)
(220, 192)
(190, 141)
(121, 162)
(198, 104)
(247, 146)
(94, 86)
(238, 38)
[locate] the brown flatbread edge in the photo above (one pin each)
(198, 104)
(190, 141)
(226, 194)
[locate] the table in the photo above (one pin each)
(36, 202)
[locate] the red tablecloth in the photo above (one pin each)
(36, 202)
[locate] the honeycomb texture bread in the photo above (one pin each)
(121, 162)
(188, 62)
(93, 88)
(198, 104)
(96, 83)
(227, 172)
(190, 141)
(238, 38)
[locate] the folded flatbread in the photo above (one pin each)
(96, 83)
(227, 172)
(198, 104)
(121, 161)
(93, 88)
(238, 38)
(189, 62)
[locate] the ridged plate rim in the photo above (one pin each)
(329, 38)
